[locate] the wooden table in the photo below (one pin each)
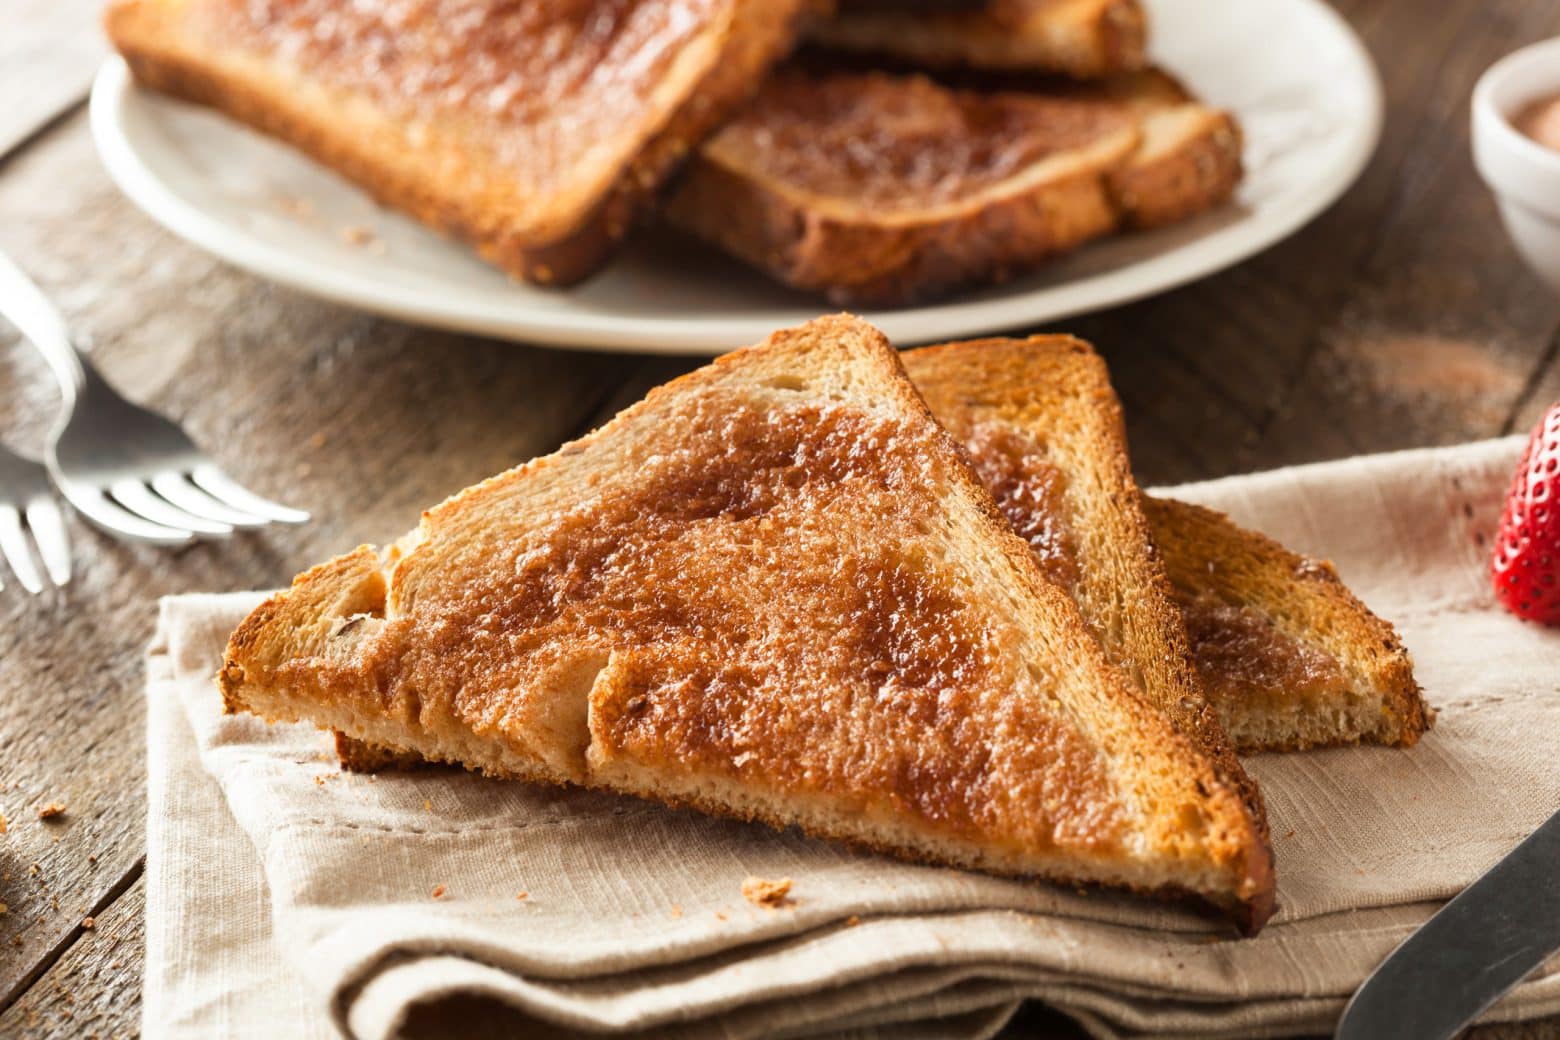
(1400, 318)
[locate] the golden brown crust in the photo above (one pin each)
(1207, 554)
(1083, 38)
(972, 719)
(552, 235)
(360, 756)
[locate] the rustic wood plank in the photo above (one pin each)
(94, 989)
(1543, 390)
(48, 54)
(362, 421)
(1438, 335)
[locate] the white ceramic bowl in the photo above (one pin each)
(1523, 174)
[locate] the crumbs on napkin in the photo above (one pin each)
(438, 891)
(522, 895)
(766, 893)
(676, 909)
(3, 824)
(50, 811)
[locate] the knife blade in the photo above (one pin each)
(1473, 950)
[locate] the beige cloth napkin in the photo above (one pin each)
(287, 899)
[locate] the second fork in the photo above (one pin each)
(130, 471)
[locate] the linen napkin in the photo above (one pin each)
(286, 898)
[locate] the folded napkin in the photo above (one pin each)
(288, 899)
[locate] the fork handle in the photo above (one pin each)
(26, 307)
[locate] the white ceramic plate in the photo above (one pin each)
(1293, 72)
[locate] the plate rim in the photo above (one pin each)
(695, 335)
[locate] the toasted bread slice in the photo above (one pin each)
(1286, 652)
(773, 590)
(1283, 652)
(1189, 158)
(883, 189)
(1084, 38)
(1046, 436)
(538, 132)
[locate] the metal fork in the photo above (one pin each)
(27, 503)
(129, 471)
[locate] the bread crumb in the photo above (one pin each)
(319, 781)
(4, 909)
(522, 895)
(356, 235)
(427, 805)
(852, 921)
(1290, 833)
(766, 893)
(89, 922)
(3, 824)
(720, 915)
(676, 909)
(50, 811)
(438, 891)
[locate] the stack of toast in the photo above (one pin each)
(915, 604)
(907, 152)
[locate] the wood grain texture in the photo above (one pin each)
(1401, 317)
(49, 50)
(94, 989)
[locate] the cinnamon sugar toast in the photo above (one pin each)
(773, 590)
(1284, 653)
(1046, 438)
(537, 132)
(885, 189)
(1084, 38)
(1290, 656)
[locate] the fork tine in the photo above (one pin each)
(96, 507)
(176, 488)
(13, 546)
(226, 490)
(48, 529)
(138, 498)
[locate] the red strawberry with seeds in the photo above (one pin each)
(1526, 565)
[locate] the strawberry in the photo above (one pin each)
(1526, 565)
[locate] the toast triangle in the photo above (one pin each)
(1046, 436)
(773, 590)
(1285, 655)
(1289, 656)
